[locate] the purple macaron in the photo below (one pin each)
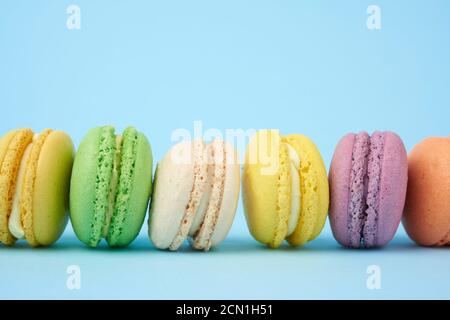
(368, 178)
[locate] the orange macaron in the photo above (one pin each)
(427, 209)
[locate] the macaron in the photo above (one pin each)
(196, 191)
(285, 189)
(34, 185)
(368, 178)
(110, 186)
(427, 210)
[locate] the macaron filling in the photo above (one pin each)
(198, 198)
(375, 160)
(217, 160)
(15, 220)
(105, 163)
(294, 166)
(201, 212)
(115, 161)
(203, 204)
(113, 186)
(121, 194)
(367, 157)
(191, 196)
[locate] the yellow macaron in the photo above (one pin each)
(34, 185)
(285, 189)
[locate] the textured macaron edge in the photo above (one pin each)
(339, 182)
(381, 182)
(83, 184)
(359, 179)
(259, 185)
(385, 189)
(133, 190)
(104, 156)
(12, 148)
(350, 171)
(124, 186)
(348, 179)
(283, 205)
(376, 167)
(371, 230)
(27, 194)
(217, 160)
(230, 196)
(200, 172)
(314, 189)
(392, 188)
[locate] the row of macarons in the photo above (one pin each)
(106, 187)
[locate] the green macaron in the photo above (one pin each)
(110, 186)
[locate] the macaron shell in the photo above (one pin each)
(427, 210)
(387, 177)
(134, 198)
(4, 143)
(5, 236)
(82, 185)
(172, 187)
(315, 191)
(108, 152)
(12, 147)
(339, 181)
(51, 188)
(372, 189)
(27, 196)
(197, 205)
(266, 188)
(393, 183)
(230, 197)
(201, 240)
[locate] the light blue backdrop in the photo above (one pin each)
(307, 67)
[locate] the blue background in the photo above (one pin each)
(307, 67)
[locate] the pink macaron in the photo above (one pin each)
(368, 178)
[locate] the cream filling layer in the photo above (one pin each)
(295, 189)
(204, 201)
(113, 186)
(201, 211)
(15, 221)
